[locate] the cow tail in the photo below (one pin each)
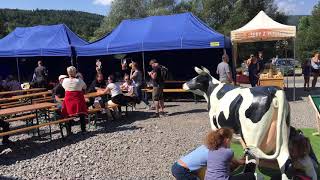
(278, 102)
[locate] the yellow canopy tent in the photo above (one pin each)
(262, 28)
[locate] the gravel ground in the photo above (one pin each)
(136, 148)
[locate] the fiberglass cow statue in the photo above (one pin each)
(260, 116)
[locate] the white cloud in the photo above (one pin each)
(289, 6)
(102, 2)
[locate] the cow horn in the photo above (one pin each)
(205, 70)
(198, 70)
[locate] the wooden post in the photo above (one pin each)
(234, 61)
(18, 69)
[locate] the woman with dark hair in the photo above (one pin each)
(220, 157)
(74, 103)
(98, 83)
(253, 69)
(117, 98)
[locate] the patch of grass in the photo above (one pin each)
(315, 142)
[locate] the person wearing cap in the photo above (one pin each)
(58, 91)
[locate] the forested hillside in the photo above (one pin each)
(82, 23)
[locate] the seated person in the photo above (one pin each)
(117, 98)
(97, 84)
(129, 86)
(188, 167)
(12, 84)
(301, 153)
(220, 157)
(58, 92)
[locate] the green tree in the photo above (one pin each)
(2, 25)
(309, 34)
(128, 9)
(84, 24)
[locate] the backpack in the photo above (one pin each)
(164, 73)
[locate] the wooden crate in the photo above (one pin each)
(272, 82)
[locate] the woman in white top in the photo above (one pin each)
(74, 103)
(117, 98)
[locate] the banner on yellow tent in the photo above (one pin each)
(260, 35)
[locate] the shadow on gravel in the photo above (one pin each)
(7, 178)
(300, 93)
(188, 112)
(32, 147)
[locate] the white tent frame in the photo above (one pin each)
(260, 26)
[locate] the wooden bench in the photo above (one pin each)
(29, 128)
(41, 100)
(13, 105)
(19, 103)
(21, 118)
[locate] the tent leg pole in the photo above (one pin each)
(77, 65)
(71, 61)
(143, 66)
(18, 69)
(234, 62)
(294, 70)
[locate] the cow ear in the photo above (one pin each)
(198, 70)
(205, 70)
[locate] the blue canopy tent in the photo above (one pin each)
(155, 33)
(52, 40)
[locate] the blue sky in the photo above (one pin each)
(300, 7)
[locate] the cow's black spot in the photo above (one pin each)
(233, 120)
(288, 117)
(262, 99)
(225, 88)
(211, 87)
(214, 120)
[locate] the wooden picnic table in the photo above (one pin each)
(90, 95)
(26, 108)
(93, 94)
(26, 96)
(149, 90)
(22, 91)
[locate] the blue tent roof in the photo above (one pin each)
(53, 40)
(179, 31)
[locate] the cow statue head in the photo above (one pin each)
(203, 84)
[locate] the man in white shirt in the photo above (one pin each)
(223, 70)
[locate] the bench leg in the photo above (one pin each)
(37, 120)
(47, 119)
(61, 130)
(95, 120)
